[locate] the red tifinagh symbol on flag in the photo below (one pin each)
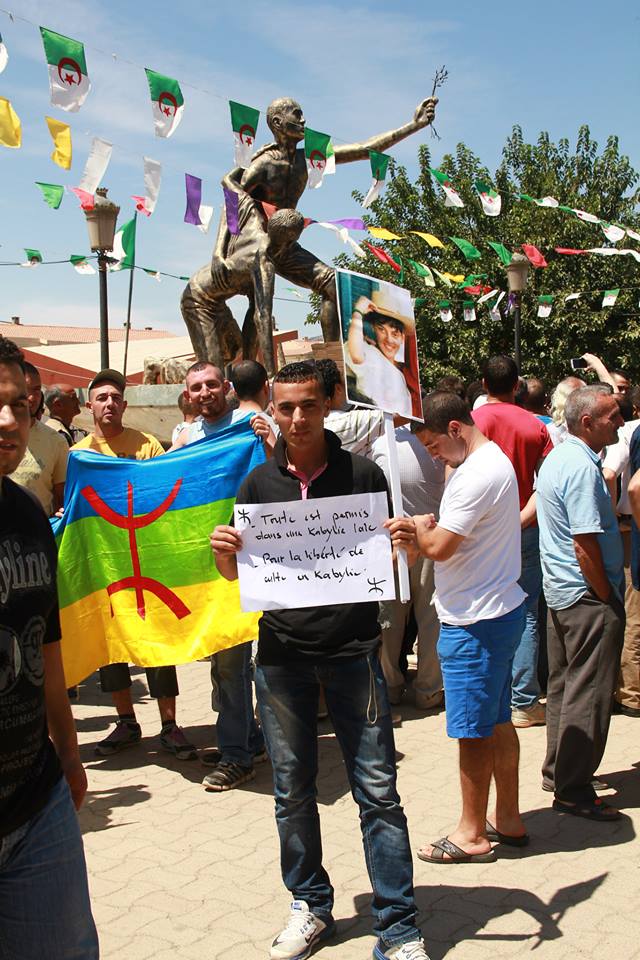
(67, 63)
(170, 100)
(247, 134)
(137, 582)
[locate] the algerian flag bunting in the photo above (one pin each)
(610, 297)
(154, 274)
(494, 309)
(490, 200)
(167, 103)
(124, 247)
(316, 150)
(545, 305)
(469, 311)
(540, 201)
(423, 271)
(244, 121)
(81, 265)
(451, 196)
(52, 193)
(34, 257)
(612, 232)
(444, 307)
(4, 56)
(68, 77)
(379, 164)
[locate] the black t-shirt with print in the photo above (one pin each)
(29, 766)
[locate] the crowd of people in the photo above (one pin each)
(519, 524)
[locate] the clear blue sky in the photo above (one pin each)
(357, 69)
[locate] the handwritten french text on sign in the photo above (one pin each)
(311, 553)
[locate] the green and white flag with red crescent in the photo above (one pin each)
(316, 150)
(4, 56)
(469, 311)
(124, 247)
(81, 265)
(490, 200)
(154, 274)
(610, 297)
(451, 196)
(444, 307)
(379, 164)
(34, 257)
(244, 121)
(612, 231)
(167, 103)
(494, 308)
(68, 77)
(545, 305)
(540, 201)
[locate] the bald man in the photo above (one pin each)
(63, 405)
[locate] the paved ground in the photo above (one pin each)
(180, 874)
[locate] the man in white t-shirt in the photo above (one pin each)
(476, 548)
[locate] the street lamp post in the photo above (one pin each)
(101, 224)
(517, 273)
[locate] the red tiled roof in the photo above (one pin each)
(32, 331)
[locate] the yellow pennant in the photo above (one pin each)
(383, 234)
(10, 128)
(61, 134)
(455, 277)
(429, 237)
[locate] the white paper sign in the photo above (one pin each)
(311, 553)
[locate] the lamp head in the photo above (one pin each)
(517, 273)
(101, 222)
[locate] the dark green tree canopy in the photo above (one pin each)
(603, 183)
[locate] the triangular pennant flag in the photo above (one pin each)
(445, 311)
(34, 257)
(451, 196)
(96, 165)
(231, 206)
(572, 296)
(469, 311)
(81, 265)
(167, 103)
(315, 150)
(61, 134)
(494, 309)
(4, 56)
(545, 304)
(583, 215)
(541, 202)
(533, 255)
(379, 164)
(52, 193)
(297, 293)
(244, 122)
(502, 252)
(10, 126)
(488, 295)
(423, 271)
(633, 234)
(383, 234)
(205, 213)
(383, 257)
(429, 238)
(490, 200)
(442, 276)
(87, 200)
(353, 223)
(152, 173)
(330, 168)
(124, 246)
(193, 187)
(68, 76)
(612, 232)
(154, 274)
(610, 297)
(468, 249)
(569, 251)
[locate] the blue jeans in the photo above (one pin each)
(525, 688)
(239, 736)
(45, 910)
(359, 709)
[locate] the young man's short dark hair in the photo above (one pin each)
(202, 365)
(248, 378)
(500, 374)
(330, 374)
(29, 369)
(10, 353)
(441, 407)
(452, 384)
(300, 372)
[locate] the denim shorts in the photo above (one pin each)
(476, 663)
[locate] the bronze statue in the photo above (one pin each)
(246, 263)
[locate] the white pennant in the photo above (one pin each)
(205, 213)
(373, 193)
(96, 165)
(152, 178)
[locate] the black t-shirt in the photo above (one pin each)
(315, 634)
(29, 766)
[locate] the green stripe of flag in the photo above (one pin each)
(159, 84)
(57, 47)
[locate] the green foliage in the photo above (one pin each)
(602, 183)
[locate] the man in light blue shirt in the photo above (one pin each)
(583, 580)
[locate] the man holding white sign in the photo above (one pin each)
(334, 645)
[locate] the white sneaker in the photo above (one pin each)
(534, 716)
(301, 934)
(413, 950)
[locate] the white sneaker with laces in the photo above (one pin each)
(302, 932)
(413, 950)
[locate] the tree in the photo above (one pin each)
(601, 183)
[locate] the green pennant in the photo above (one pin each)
(52, 193)
(467, 249)
(502, 252)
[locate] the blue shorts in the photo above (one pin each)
(476, 663)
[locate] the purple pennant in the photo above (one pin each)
(194, 199)
(350, 224)
(231, 208)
